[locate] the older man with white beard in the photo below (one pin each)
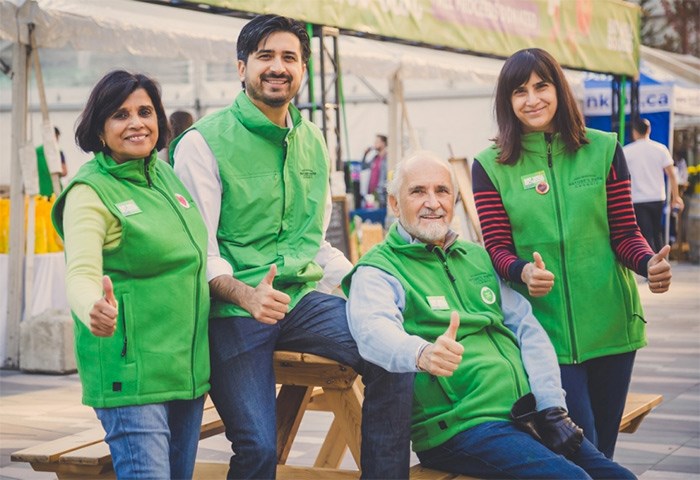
(487, 397)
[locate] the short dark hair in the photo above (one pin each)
(384, 139)
(180, 121)
(262, 26)
(641, 126)
(568, 121)
(106, 97)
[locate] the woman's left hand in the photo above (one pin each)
(659, 271)
(538, 279)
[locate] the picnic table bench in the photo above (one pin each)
(305, 382)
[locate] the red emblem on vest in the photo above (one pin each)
(183, 201)
(542, 188)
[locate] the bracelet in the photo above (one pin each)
(418, 354)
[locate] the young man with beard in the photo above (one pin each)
(260, 175)
(487, 399)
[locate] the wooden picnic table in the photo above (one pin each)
(305, 382)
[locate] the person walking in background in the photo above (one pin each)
(554, 203)
(135, 247)
(179, 121)
(375, 159)
(45, 182)
(487, 399)
(647, 161)
(260, 173)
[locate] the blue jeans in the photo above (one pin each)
(243, 387)
(500, 450)
(157, 440)
(596, 391)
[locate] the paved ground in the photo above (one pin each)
(36, 408)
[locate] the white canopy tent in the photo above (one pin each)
(143, 29)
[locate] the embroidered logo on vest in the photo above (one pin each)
(487, 295)
(307, 173)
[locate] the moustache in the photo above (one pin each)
(280, 76)
(430, 211)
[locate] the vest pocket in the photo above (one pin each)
(124, 323)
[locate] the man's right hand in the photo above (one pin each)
(444, 356)
(266, 304)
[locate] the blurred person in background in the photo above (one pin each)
(648, 161)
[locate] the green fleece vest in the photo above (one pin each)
(593, 309)
(45, 182)
(160, 350)
(491, 376)
(275, 184)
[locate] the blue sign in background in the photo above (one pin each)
(655, 104)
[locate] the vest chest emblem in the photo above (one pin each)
(487, 295)
(128, 208)
(183, 201)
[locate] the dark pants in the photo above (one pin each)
(499, 450)
(596, 391)
(649, 216)
(243, 387)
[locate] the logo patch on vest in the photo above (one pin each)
(586, 181)
(487, 295)
(183, 201)
(531, 180)
(438, 303)
(307, 173)
(128, 208)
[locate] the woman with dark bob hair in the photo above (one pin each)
(552, 192)
(135, 248)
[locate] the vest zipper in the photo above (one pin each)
(202, 259)
(565, 285)
(146, 173)
(443, 259)
(518, 390)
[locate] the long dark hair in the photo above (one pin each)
(106, 98)
(568, 121)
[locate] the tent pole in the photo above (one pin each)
(15, 271)
(394, 140)
(621, 109)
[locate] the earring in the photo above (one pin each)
(102, 142)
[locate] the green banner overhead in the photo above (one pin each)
(593, 35)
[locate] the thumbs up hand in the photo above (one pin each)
(538, 279)
(266, 304)
(103, 315)
(659, 271)
(444, 356)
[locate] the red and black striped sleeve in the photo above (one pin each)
(495, 226)
(626, 240)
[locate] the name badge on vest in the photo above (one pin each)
(128, 208)
(532, 180)
(438, 303)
